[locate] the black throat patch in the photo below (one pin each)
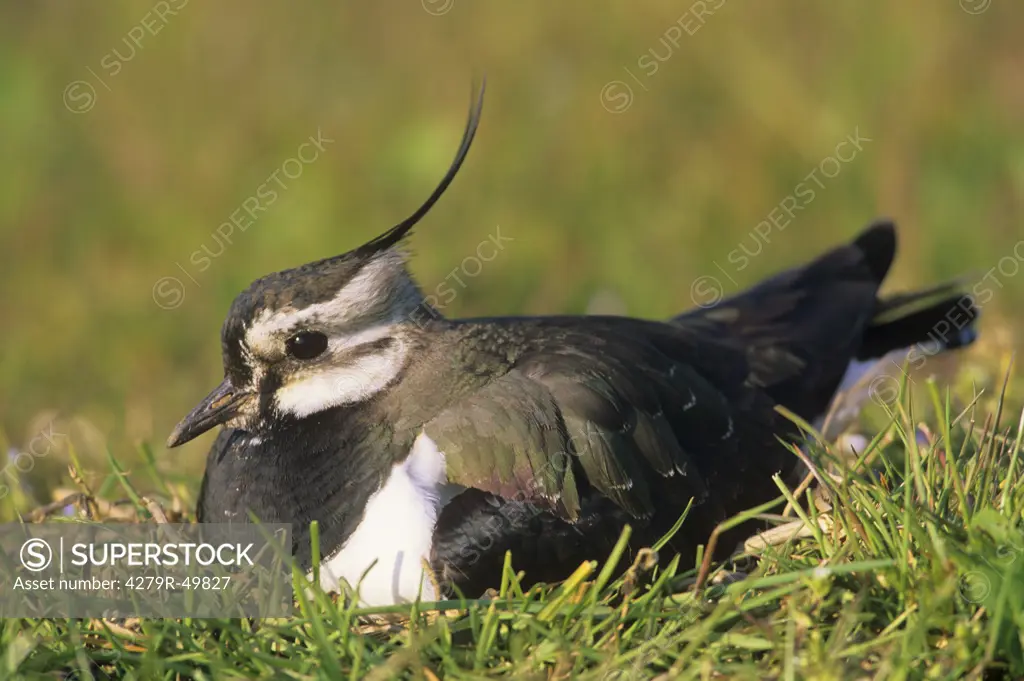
(323, 468)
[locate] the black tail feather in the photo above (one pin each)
(902, 322)
(878, 244)
(942, 316)
(802, 327)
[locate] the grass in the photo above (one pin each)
(912, 567)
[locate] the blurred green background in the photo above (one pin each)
(625, 150)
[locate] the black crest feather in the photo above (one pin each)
(399, 231)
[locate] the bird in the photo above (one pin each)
(426, 447)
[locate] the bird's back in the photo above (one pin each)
(788, 341)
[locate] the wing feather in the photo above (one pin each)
(615, 408)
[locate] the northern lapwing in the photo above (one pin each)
(415, 440)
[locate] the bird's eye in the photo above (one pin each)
(306, 344)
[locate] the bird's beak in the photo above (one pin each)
(216, 408)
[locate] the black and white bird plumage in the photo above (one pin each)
(413, 439)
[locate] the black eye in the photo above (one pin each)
(306, 344)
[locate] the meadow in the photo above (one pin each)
(633, 159)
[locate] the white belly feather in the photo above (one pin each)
(396, 531)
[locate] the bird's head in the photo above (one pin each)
(319, 336)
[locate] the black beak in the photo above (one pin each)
(216, 408)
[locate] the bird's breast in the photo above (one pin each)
(386, 556)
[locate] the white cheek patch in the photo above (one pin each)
(359, 380)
